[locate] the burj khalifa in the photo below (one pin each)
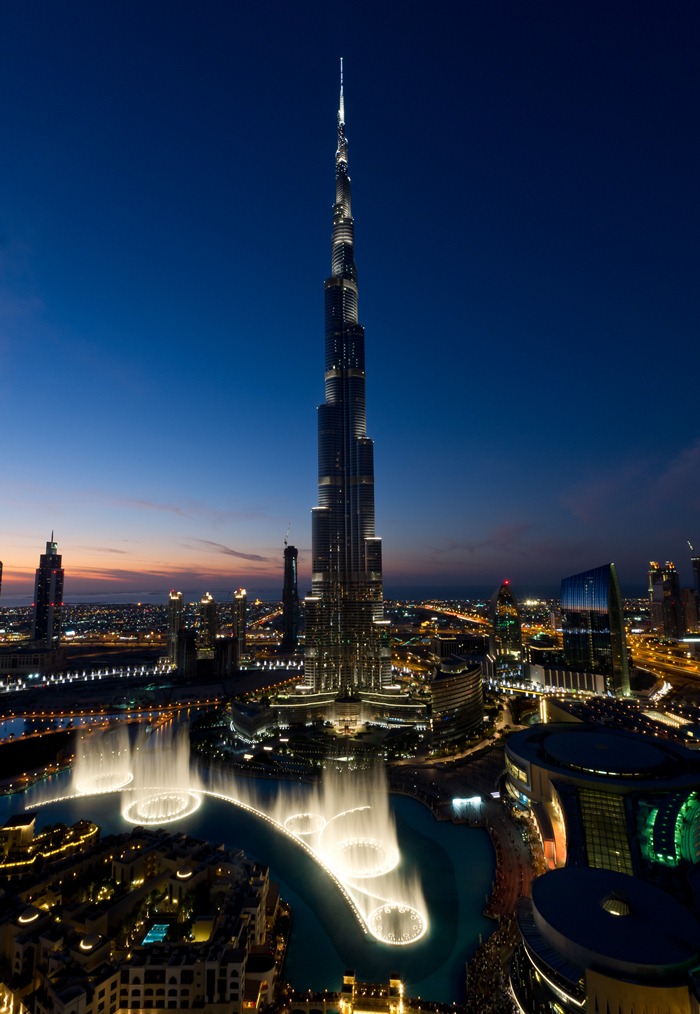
(346, 648)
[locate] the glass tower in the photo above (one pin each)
(48, 598)
(593, 626)
(346, 650)
(665, 600)
(290, 600)
(176, 610)
(239, 618)
(695, 563)
(506, 638)
(208, 625)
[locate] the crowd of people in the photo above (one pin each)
(487, 976)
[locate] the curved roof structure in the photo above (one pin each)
(590, 753)
(605, 753)
(615, 924)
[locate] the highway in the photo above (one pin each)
(665, 661)
(479, 621)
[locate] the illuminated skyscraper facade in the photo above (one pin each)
(665, 600)
(345, 646)
(239, 618)
(689, 603)
(176, 611)
(48, 598)
(506, 638)
(593, 626)
(695, 563)
(208, 626)
(290, 600)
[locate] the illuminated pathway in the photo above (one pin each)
(435, 607)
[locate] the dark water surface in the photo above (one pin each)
(455, 863)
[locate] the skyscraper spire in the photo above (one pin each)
(341, 103)
(346, 651)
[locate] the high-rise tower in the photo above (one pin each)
(593, 626)
(239, 618)
(345, 648)
(665, 600)
(208, 626)
(506, 637)
(290, 600)
(695, 563)
(48, 598)
(176, 609)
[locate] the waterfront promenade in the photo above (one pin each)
(438, 784)
(517, 848)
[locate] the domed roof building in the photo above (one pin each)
(614, 926)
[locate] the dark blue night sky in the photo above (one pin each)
(525, 189)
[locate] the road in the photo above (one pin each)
(668, 662)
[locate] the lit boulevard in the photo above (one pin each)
(667, 661)
(441, 610)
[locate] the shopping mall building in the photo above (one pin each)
(614, 926)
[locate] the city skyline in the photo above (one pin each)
(527, 185)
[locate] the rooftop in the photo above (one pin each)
(614, 922)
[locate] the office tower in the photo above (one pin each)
(690, 610)
(290, 600)
(175, 622)
(695, 563)
(225, 657)
(593, 626)
(0, 577)
(240, 618)
(48, 598)
(457, 698)
(506, 639)
(665, 600)
(208, 625)
(186, 653)
(345, 647)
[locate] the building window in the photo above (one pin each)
(605, 830)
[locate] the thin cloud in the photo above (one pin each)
(637, 489)
(227, 551)
(680, 479)
(114, 575)
(102, 549)
(623, 489)
(192, 510)
(508, 537)
(148, 505)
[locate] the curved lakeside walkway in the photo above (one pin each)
(437, 784)
(518, 852)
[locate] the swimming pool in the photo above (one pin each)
(156, 934)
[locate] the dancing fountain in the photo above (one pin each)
(345, 824)
(165, 788)
(102, 761)
(348, 824)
